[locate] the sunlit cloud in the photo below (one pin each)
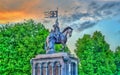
(17, 10)
(6, 17)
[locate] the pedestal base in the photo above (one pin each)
(54, 64)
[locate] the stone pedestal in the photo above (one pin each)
(54, 64)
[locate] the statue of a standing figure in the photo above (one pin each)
(57, 37)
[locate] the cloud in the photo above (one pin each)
(106, 9)
(83, 26)
(94, 9)
(17, 10)
(86, 25)
(29, 8)
(73, 17)
(46, 21)
(83, 23)
(77, 13)
(108, 5)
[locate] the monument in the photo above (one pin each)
(53, 63)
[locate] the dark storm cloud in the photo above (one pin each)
(87, 25)
(108, 8)
(109, 5)
(107, 12)
(77, 16)
(65, 19)
(93, 5)
(77, 7)
(73, 17)
(83, 26)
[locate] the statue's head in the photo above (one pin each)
(70, 31)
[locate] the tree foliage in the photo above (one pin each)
(117, 60)
(18, 44)
(95, 56)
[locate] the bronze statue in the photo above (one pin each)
(57, 37)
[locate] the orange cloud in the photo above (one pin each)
(10, 16)
(6, 17)
(16, 10)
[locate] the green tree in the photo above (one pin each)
(95, 56)
(84, 53)
(103, 56)
(117, 60)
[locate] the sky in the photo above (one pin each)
(84, 16)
